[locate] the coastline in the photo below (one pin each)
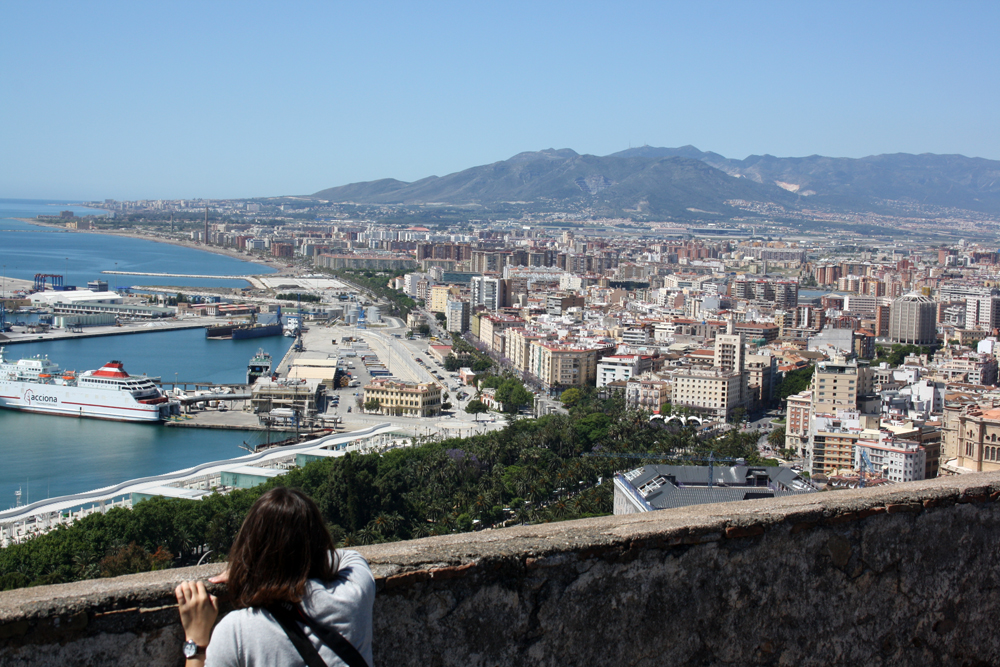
(215, 250)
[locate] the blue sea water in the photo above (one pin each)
(51, 456)
(27, 249)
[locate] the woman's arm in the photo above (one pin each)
(198, 612)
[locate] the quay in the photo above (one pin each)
(174, 275)
(152, 326)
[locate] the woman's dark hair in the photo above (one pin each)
(282, 543)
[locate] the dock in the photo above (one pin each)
(151, 326)
(175, 275)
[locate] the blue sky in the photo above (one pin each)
(210, 99)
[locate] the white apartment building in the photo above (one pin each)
(982, 312)
(621, 368)
(636, 336)
(485, 292)
(896, 460)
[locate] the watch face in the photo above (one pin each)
(190, 649)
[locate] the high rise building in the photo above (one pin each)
(457, 313)
(485, 292)
(729, 352)
(982, 312)
(912, 320)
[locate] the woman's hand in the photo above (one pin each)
(220, 578)
(198, 611)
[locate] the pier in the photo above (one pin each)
(174, 275)
(152, 326)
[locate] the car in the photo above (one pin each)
(348, 408)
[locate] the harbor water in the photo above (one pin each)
(48, 456)
(27, 249)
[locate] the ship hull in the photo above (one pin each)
(69, 401)
(258, 331)
(235, 332)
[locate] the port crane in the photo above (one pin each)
(41, 279)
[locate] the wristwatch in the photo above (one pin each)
(192, 650)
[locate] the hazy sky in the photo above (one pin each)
(131, 100)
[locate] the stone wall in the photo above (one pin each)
(904, 575)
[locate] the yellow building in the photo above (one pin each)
(438, 297)
(564, 366)
(836, 386)
(711, 391)
(978, 432)
(833, 450)
(489, 325)
(519, 347)
(405, 398)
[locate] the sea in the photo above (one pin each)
(47, 456)
(27, 249)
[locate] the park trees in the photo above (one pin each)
(570, 397)
(476, 407)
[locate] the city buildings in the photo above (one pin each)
(912, 320)
(408, 399)
(664, 487)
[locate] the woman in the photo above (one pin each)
(282, 554)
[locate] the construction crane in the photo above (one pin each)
(866, 464)
(712, 460)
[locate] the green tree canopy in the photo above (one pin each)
(475, 407)
(794, 382)
(570, 397)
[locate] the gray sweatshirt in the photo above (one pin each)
(249, 637)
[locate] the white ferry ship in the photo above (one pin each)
(37, 384)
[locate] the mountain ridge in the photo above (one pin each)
(650, 181)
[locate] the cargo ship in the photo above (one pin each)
(37, 384)
(251, 329)
(259, 366)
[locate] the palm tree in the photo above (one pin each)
(369, 535)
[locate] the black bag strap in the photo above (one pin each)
(289, 616)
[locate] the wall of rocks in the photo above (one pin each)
(904, 575)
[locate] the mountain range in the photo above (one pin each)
(686, 183)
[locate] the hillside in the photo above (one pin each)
(685, 182)
(667, 186)
(875, 182)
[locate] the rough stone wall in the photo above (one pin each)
(904, 575)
